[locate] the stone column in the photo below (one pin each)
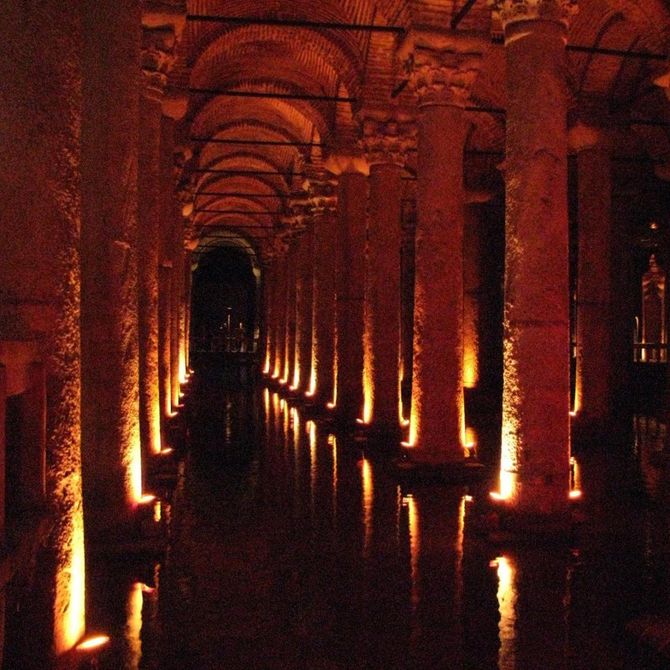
(350, 286)
(535, 460)
(40, 179)
(176, 307)
(291, 314)
(279, 301)
(149, 247)
(323, 343)
(110, 140)
(443, 68)
(472, 288)
(165, 275)
(185, 329)
(594, 380)
(304, 310)
(407, 269)
(267, 315)
(386, 140)
(3, 453)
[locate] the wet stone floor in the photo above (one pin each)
(291, 547)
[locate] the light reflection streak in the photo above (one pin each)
(332, 441)
(414, 547)
(311, 431)
(507, 599)
(368, 499)
(133, 629)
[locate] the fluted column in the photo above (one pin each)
(534, 477)
(443, 67)
(350, 286)
(594, 380)
(386, 140)
(323, 344)
(110, 139)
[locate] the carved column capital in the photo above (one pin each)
(441, 67)
(513, 11)
(387, 140)
(322, 196)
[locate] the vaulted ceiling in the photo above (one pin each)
(273, 86)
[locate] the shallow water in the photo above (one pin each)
(291, 547)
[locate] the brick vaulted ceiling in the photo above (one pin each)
(248, 152)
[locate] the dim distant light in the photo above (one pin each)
(575, 494)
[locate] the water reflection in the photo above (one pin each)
(293, 548)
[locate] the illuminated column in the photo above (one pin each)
(154, 378)
(110, 141)
(534, 477)
(472, 287)
(164, 327)
(267, 334)
(185, 327)
(279, 301)
(291, 315)
(386, 142)
(304, 309)
(176, 310)
(443, 69)
(407, 297)
(594, 379)
(40, 179)
(323, 345)
(350, 285)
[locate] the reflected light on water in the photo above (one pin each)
(368, 495)
(133, 629)
(310, 427)
(507, 598)
(414, 545)
(332, 441)
(93, 643)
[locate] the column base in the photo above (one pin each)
(465, 471)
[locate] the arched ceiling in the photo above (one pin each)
(271, 88)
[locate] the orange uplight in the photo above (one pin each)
(573, 413)
(470, 439)
(146, 499)
(166, 452)
(368, 498)
(575, 494)
(312, 381)
(93, 643)
(331, 405)
(134, 470)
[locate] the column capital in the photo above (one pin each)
(441, 66)
(322, 195)
(387, 138)
(347, 161)
(514, 11)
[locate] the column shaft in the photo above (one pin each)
(350, 279)
(536, 383)
(110, 139)
(149, 235)
(164, 335)
(595, 323)
(472, 288)
(279, 300)
(323, 355)
(41, 74)
(381, 341)
(291, 314)
(437, 420)
(304, 309)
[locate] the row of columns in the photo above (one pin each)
(93, 273)
(535, 451)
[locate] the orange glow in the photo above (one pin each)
(573, 413)
(368, 499)
(575, 475)
(146, 499)
(507, 598)
(93, 643)
(575, 494)
(71, 588)
(310, 426)
(470, 439)
(368, 370)
(133, 628)
(414, 545)
(134, 466)
(158, 511)
(183, 374)
(166, 452)
(331, 405)
(311, 390)
(470, 366)
(296, 377)
(332, 441)
(508, 455)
